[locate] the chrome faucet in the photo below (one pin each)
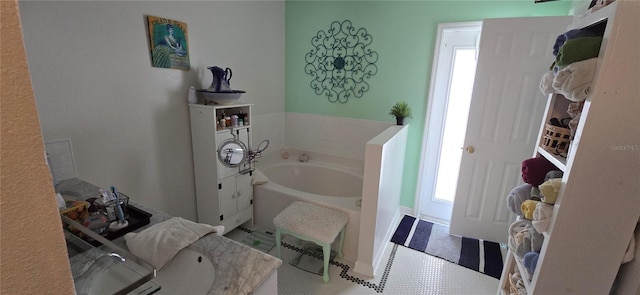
(86, 267)
(303, 158)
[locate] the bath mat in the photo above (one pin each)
(434, 239)
(263, 241)
(311, 258)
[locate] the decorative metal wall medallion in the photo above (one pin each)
(340, 62)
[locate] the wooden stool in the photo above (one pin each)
(313, 223)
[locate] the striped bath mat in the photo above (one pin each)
(434, 239)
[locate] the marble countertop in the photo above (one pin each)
(239, 269)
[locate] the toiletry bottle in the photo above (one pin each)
(245, 118)
(192, 98)
(223, 122)
(234, 120)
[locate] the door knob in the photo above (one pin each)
(470, 149)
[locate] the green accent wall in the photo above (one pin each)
(404, 35)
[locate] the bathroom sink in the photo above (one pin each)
(189, 272)
(112, 279)
(105, 269)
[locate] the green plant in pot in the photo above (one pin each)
(400, 110)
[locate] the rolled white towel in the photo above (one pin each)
(258, 178)
(574, 80)
(516, 230)
(542, 217)
(545, 83)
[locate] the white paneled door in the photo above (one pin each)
(504, 117)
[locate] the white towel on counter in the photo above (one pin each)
(574, 80)
(159, 243)
(258, 178)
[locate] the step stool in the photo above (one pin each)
(313, 223)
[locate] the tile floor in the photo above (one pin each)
(402, 271)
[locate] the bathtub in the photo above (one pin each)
(322, 183)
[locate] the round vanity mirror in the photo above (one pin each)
(232, 152)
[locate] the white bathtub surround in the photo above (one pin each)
(343, 163)
(382, 186)
(344, 137)
(316, 179)
(321, 180)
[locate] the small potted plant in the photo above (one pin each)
(400, 110)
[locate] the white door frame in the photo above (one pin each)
(434, 68)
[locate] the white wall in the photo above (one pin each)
(128, 122)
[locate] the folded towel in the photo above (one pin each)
(545, 83)
(575, 112)
(553, 174)
(542, 217)
(162, 241)
(517, 231)
(258, 177)
(600, 4)
(571, 34)
(532, 241)
(534, 170)
(574, 81)
(578, 49)
(535, 194)
(530, 261)
(549, 190)
(517, 196)
(517, 284)
(528, 207)
(523, 247)
(536, 240)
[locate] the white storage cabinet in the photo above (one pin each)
(224, 195)
(598, 205)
